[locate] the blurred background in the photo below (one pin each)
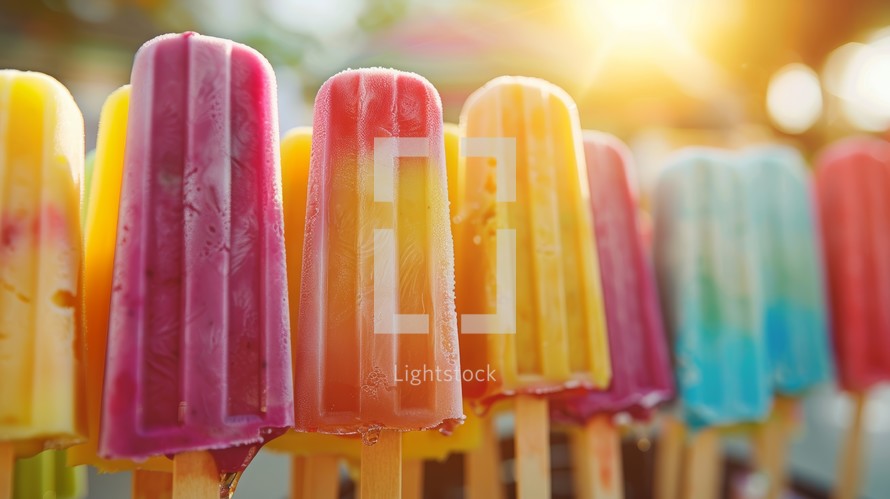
(660, 74)
(657, 73)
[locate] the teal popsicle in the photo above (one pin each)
(780, 205)
(706, 262)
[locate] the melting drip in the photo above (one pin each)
(371, 435)
(227, 484)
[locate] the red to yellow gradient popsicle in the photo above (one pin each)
(316, 456)
(378, 270)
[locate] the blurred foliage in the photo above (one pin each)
(381, 14)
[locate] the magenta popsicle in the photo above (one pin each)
(198, 344)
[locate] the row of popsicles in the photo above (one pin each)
(206, 257)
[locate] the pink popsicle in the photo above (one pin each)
(853, 184)
(853, 187)
(198, 344)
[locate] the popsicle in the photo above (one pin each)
(377, 291)
(198, 344)
(530, 299)
(794, 318)
(316, 455)
(100, 236)
(41, 165)
(794, 314)
(853, 187)
(706, 260)
(46, 475)
(641, 369)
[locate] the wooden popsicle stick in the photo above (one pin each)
(582, 479)
(669, 458)
(412, 479)
(851, 453)
(482, 466)
(532, 447)
(596, 452)
(321, 478)
(7, 463)
(381, 469)
(771, 440)
(195, 476)
(152, 485)
(703, 470)
(297, 476)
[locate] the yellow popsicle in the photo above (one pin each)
(558, 339)
(528, 286)
(41, 165)
(100, 240)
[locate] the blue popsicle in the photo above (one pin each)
(780, 206)
(706, 262)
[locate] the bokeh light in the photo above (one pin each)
(794, 98)
(859, 75)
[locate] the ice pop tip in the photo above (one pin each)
(596, 141)
(689, 157)
(779, 156)
(151, 47)
(527, 82)
(298, 133)
(414, 79)
(876, 148)
(607, 139)
(36, 77)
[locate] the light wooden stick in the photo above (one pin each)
(582, 477)
(195, 476)
(152, 485)
(532, 447)
(669, 458)
(703, 470)
(381, 473)
(482, 466)
(7, 463)
(321, 479)
(297, 476)
(851, 454)
(596, 451)
(771, 440)
(412, 479)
